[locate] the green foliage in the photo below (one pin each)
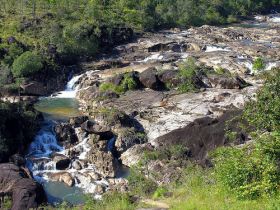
(160, 192)
(77, 39)
(199, 190)
(19, 124)
(173, 152)
(14, 50)
(258, 65)
(127, 83)
(139, 184)
(250, 172)
(187, 72)
(115, 200)
(107, 86)
(264, 112)
(27, 64)
(222, 71)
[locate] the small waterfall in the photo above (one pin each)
(70, 90)
(40, 150)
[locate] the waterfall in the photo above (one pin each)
(40, 150)
(70, 90)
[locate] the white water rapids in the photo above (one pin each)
(45, 146)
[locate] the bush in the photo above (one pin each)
(14, 50)
(264, 112)
(258, 65)
(27, 64)
(253, 171)
(139, 184)
(187, 72)
(127, 83)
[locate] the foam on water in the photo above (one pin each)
(216, 48)
(156, 56)
(71, 89)
(275, 19)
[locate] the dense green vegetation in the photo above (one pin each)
(60, 32)
(19, 124)
(258, 65)
(26, 64)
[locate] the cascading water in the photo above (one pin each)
(71, 89)
(56, 107)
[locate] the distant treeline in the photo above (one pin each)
(142, 14)
(38, 36)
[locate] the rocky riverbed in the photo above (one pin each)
(92, 151)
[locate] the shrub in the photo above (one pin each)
(264, 112)
(253, 171)
(222, 71)
(14, 50)
(27, 64)
(139, 184)
(128, 83)
(187, 72)
(258, 65)
(160, 192)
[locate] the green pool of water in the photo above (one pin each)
(58, 108)
(58, 192)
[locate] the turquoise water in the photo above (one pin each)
(58, 108)
(58, 192)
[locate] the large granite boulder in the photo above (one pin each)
(26, 193)
(93, 128)
(224, 82)
(149, 79)
(64, 177)
(204, 135)
(65, 134)
(104, 161)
